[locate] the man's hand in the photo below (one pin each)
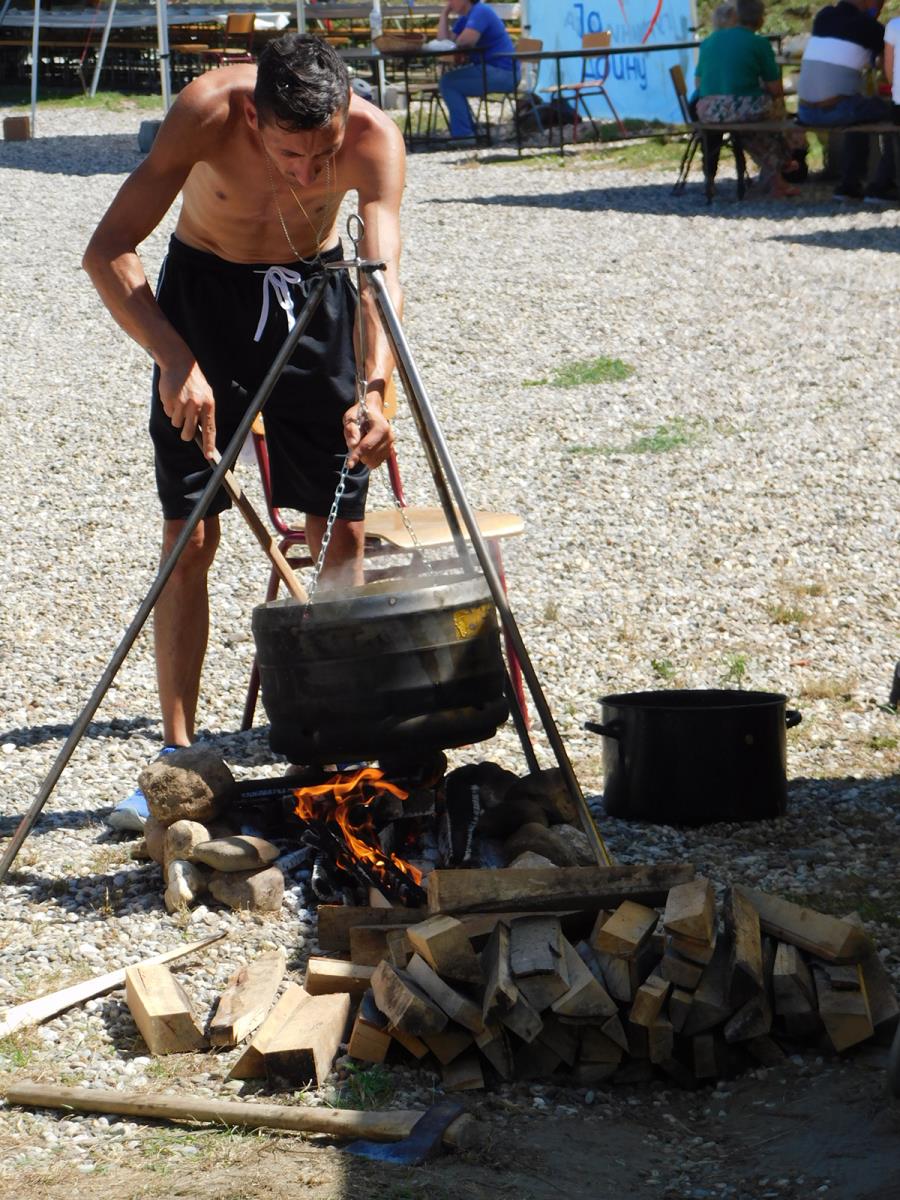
(372, 443)
(189, 404)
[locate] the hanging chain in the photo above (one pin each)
(329, 526)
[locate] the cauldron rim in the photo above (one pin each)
(694, 699)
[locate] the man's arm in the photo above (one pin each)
(382, 175)
(112, 262)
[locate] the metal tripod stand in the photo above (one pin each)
(450, 491)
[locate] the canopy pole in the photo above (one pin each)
(162, 37)
(301, 16)
(35, 62)
(101, 53)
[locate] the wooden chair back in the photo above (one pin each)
(680, 85)
(593, 43)
(239, 29)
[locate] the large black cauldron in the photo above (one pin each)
(693, 757)
(405, 666)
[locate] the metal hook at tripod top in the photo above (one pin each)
(356, 231)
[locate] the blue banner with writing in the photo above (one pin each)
(639, 84)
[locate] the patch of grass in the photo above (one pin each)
(662, 438)
(787, 614)
(658, 153)
(65, 99)
(591, 370)
(365, 1087)
(853, 894)
(663, 667)
(551, 610)
(735, 670)
(828, 688)
(881, 742)
(586, 450)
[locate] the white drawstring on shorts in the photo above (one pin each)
(280, 280)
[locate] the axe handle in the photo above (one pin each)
(341, 1123)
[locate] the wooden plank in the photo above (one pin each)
(33, 1012)
(336, 920)
(691, 910)
(457, 1006)
(251, 1064)
(162, 1010)
(792, 984)
(560, 888)
(443, 943)
(495, 1046)
(536, 948)
(824, 936)
(586, 996)
(629, 927)
(303, 1050)
(745, 967)
(680, 971)
(248, 996)
(680, 1002)
(370, 1040)
(404, 1004)
(399, 949)
(692, 949)
(411, 1044)
(325, 976)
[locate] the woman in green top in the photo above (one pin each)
(739, 80)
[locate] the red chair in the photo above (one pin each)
(590, 85)
(386, 533)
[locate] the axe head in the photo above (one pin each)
(422, 1142)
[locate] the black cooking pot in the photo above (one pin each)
(693, 757)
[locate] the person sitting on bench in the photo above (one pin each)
(739, 81)
(846, 41)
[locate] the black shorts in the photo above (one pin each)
(217, 308)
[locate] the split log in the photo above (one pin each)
(845, 1015)
(463, 1074)
(325, 976)
(710, 1006)
(753, 1019)
(33, 1012)
(449, 1044)
(680, 971)
(443, 943)
(495, 1046)
(746, 964)
(629, 927)
(596, 1047)
(826, 937)
(411, 1044)
(649, 1000)
(457, 1007)
(336, 920)
(162, 1010)
(563, 1040)
(691, 910)
(623, 976)
(561, 888)
(247, 998)
(586, 997)
(680, 1002)
(370, 1039)
(251, 1064)
(692, 949)
(660, 1040)
(500, 993)
(404, 1004)
(399, 949)
(792, 983)
(522, 1020)
(303, 1050)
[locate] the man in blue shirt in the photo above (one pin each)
(491, 70)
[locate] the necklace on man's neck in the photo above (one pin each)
(317, 231)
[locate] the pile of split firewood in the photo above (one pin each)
(595, 973)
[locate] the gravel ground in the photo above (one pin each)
(728, 513)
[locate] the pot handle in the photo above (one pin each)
(613, 730)
(792, 717)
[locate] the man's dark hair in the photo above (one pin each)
(301, 82)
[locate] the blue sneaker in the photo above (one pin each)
(132, 813)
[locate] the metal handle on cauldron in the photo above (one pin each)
(612, 730)
(792, 717)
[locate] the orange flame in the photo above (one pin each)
(340, 799)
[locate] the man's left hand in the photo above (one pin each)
(371, 443)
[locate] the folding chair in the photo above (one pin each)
(237, 43)
(710, 142)
(528, 75)
(387, 533)
(589, 85)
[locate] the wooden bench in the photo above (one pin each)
(712, 136)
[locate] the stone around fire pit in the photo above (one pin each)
(155, 837)
(256, 891)
(188, 784)
(540, 840)
(182, 838)
(239, 853)
(185, 883)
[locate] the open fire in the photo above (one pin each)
(339, 814)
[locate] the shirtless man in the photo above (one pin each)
(263, 156)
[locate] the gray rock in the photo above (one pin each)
(254, 891)
(577, 842)
(540, 840)
(238, 853)
(155, 837)
(529, 859)
(182, 838)
(185, 883)
(186, 785)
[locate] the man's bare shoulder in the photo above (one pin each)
(372, 137)
(215, 100)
